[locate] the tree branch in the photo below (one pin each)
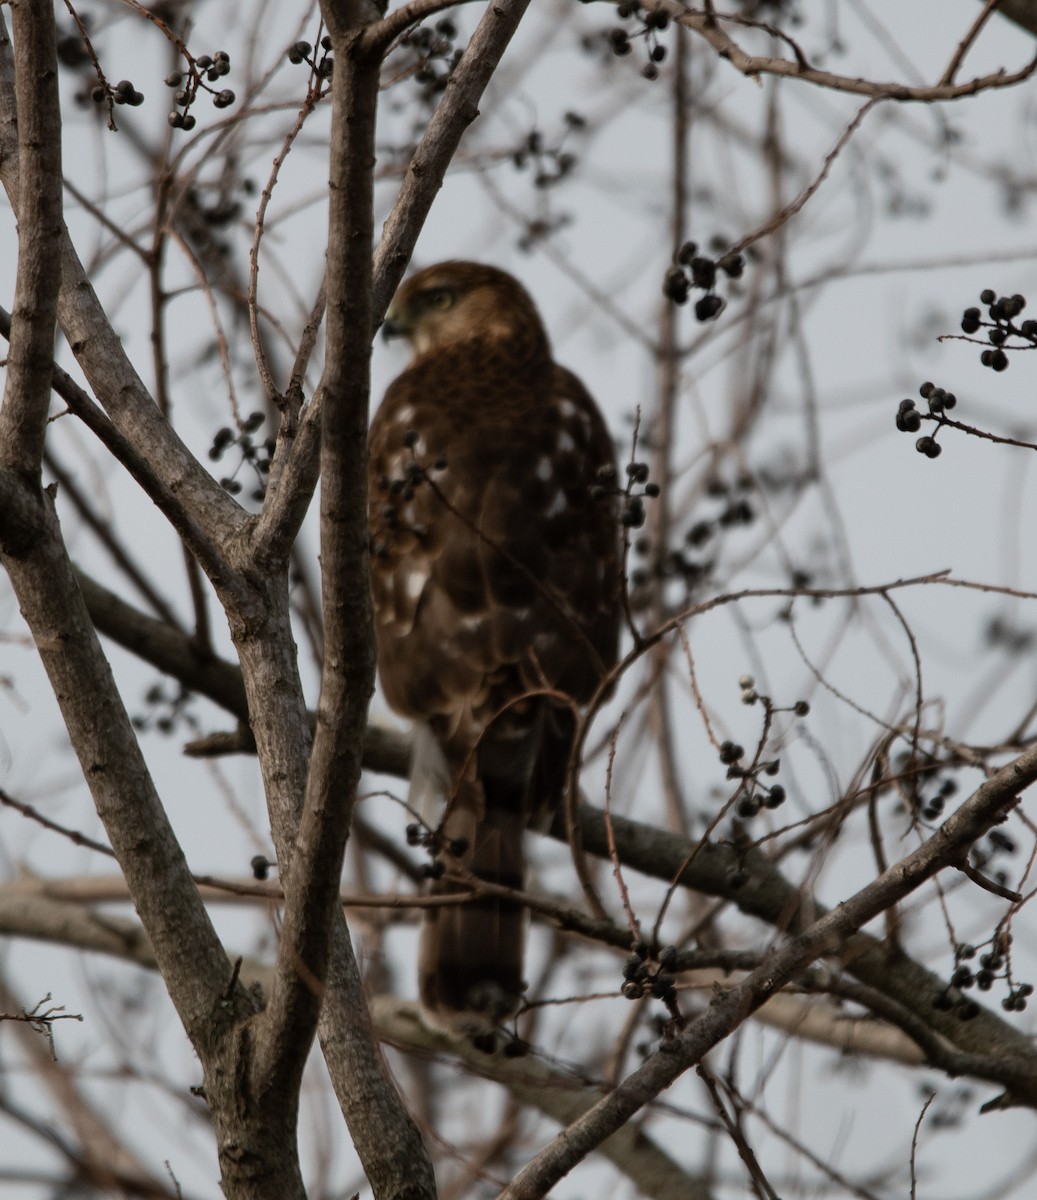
(23, 416)
(709, 25)
(310, 873)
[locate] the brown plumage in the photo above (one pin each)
(495, 575)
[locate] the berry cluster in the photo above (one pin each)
(651, 22)
(909, 419)
(437, 56)
(1006, 635)
(695, 270)
(433, 841)
(1001, 327)
(932, 809)
(258, 456)
(998, 844)
(401, 491)
(632, 514)
(680, 562)
(919, 773)
(201, 73)
(303, 52)
(992, 966)
(641, 979)
(123, 93)
(168, 710)
(551, 163)
(756, 795)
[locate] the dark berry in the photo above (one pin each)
(909, 420)
(633, 516)
(619, 41)
(703, 272)
(676, 286)
(708, 307)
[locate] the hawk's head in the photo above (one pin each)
(456, 302)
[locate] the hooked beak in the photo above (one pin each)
(394, 325)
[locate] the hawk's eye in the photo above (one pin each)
(439, 299)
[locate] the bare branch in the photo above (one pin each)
(709, 25)
(966, 43)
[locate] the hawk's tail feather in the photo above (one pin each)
(470, 964)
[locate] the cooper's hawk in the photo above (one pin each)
(495, 578)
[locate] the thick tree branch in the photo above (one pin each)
(310, 875)
(23, 416)
(386, 1138)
